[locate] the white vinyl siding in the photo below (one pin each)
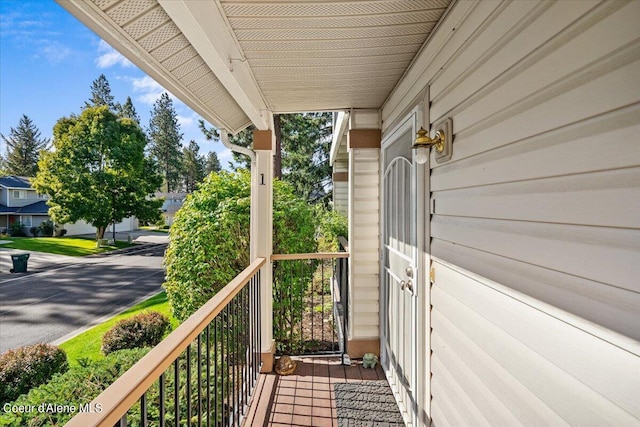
(535, 227)
(364, 242)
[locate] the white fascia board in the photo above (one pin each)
(204, 24)
(339, 127)
(93, 18)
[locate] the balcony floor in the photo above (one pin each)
(305, 398)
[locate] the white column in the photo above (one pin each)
(364, 240)
(262, 235)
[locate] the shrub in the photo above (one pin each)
(332, 225)
(46, 228)
(34, 231)
(209, 238)
(143, 330)
(27, 367)
(15, 229)
(78, 386)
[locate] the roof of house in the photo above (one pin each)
(36, 208)
(15, 182)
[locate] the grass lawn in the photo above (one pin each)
(73, 246)
(87, 344)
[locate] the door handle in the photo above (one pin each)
(406, 285)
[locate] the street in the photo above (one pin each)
(59, 302)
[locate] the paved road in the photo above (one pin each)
(56, 303)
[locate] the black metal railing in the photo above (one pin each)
(341, 295)
(202, 374)
(303, 303)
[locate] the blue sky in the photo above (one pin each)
(48, 61)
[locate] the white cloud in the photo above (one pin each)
(225, 155)
(110, 57)
(147, 89)
(53, 52)
(185, 121)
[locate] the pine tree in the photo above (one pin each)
(212, 163)
(101, 95)
(306, 142)
(23, 148)
(129, 111)
(165, 147)
(304, 152)
(193, 166)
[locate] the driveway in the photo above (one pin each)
(67, 294)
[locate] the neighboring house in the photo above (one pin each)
(20, 202)
(499, 283)
(172, 203)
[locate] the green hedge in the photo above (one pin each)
(27, 367)
(142, 330)
(71, 390)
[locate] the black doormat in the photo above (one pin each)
(366, 404)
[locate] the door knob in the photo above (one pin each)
(409, 271)
(403, 284)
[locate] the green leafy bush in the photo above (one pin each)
(15, 229)
(143, 330)
(27, 367)
(209, 238)
(74, 389)
(332, 225)
(46, 228)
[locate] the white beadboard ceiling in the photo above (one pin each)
(234, 60)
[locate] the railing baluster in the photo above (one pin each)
(312, 311)
(215, 370)
(143, 410)
(234, 357)
(225, 358)
(199, 376)
(208, 348)
(176, 392)
(247, 346)
(161, 397)
(188, 385)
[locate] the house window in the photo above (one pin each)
(19, 194)
(26, 220)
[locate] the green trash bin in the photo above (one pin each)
(19, 263)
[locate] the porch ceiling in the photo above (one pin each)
(234, 60)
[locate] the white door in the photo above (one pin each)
(399, 270)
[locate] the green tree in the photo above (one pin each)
(23, 148)
(212, 163)
(301, 158)
(98, 171)
(193, 166)
(209, 242)
(129, 111)
(101, 94)
(306, 142)
(166, 147)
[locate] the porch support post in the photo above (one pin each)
(364, 137)
(261, 236)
